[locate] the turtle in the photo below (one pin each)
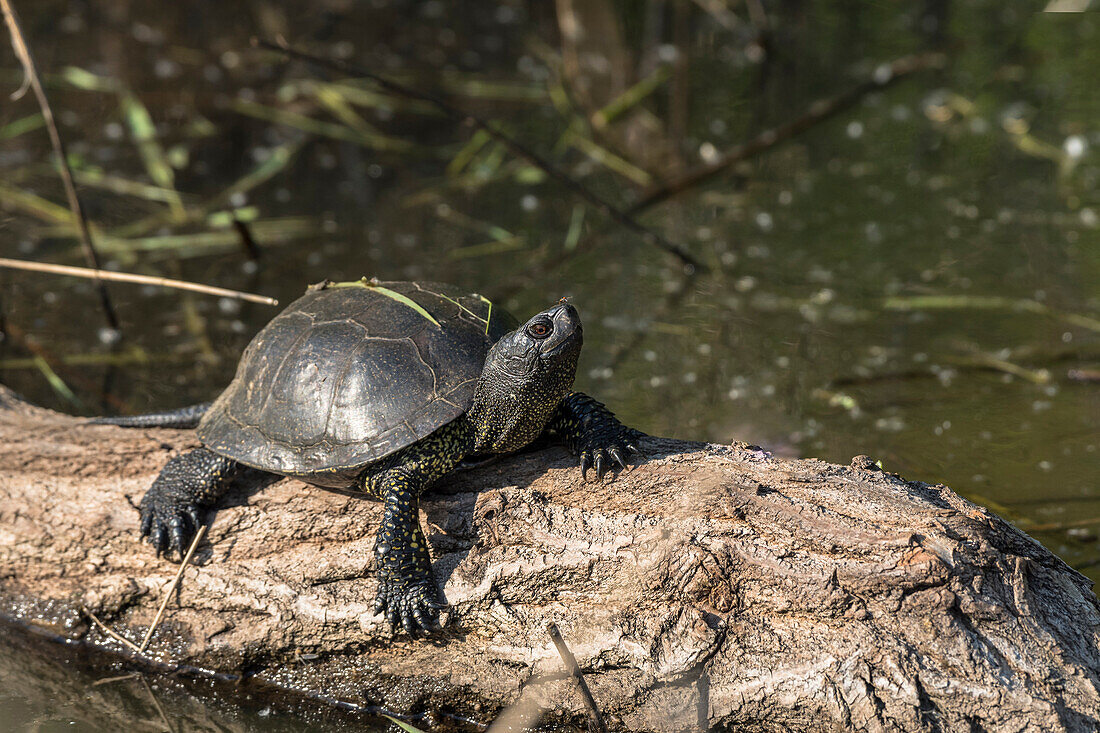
(381, 389)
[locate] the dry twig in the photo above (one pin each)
(571, 664)
(172, 588)
(23, 53)
(109, 631)
(127, 277)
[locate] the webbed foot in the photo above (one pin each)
(411, 606)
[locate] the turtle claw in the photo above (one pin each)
(408, 607)
(608, 453)
(168, 524)
(601, 465)
(617, 456)
(586, 464)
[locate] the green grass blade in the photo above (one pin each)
(144, 133)
(56, 382)
(402, 724)
(393, 294)
(15, 128)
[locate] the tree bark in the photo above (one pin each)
(711, 587)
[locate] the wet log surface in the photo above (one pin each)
(713, 586)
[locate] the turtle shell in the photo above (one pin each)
(350, 373)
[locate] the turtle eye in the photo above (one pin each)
(539, 330)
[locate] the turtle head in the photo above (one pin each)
(526, 375)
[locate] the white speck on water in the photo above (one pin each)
(745, 284)
(1045, 465)
(108, 336)
(668, 53)
(656, 381)
(1075, 146)
(113, 130)
(166, 69)
(891, 424)
(530, 202)
(374, 170)
(764, 221)
(854, 129)
(872, 231)
(649, 355)
(704, 349)
(717, 126)
(900, 113)
(785, 198)
(229, 306)
(708, 153)
(1088, 217)
(689, 377)
(883, 73)
(238, 199)
(1041, 405)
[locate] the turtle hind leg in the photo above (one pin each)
(171, 510)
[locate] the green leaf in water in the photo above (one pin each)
(402, 724)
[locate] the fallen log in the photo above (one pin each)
(711, 587)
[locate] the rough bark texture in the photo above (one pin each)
(713, 586)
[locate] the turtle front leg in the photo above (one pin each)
(591, 431)
(190, 482)
(406, 591)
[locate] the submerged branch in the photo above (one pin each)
(817, 112)
(603, 205)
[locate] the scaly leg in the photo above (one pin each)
(590, 430)
(406, 592)
(190, 482)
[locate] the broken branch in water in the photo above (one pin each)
(607, 208)
(23, 53)
(127, 277)
(817, 112)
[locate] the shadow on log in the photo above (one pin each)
(712, 587)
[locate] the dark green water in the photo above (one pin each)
(916, 278)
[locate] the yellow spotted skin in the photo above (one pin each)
(522, 395)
